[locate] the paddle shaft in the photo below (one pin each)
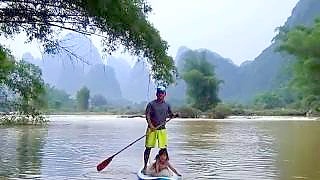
(105, 163)
(140, 138)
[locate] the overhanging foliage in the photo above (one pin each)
(117, 22)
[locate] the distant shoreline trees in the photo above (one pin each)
(202, 83)
(83, 96)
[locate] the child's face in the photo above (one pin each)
(163, 157)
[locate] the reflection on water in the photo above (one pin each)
(70, 147)
(20, 152)
(299, 150)
(234, 150)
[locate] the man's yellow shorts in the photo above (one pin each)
(156, 137)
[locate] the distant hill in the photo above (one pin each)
(69, 73)
(115, 79)
(304, 13)
(101, 79)
(264, 73)
(139, 86)
(122, 71)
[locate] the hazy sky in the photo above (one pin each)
(235, 29)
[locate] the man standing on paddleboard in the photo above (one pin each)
(157, 112)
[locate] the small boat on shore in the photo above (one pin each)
(142, 176)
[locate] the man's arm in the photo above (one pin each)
(148, 117)
(170, 113)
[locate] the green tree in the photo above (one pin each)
(21, 90)
(304, 44)
(221, 111)
(98, 100)
(6, 64)
(117, 22)
(268, 100)
(58, 100)
(25, 82)
(202, 84)
(83, 96)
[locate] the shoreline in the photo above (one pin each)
(229, 118)
(78, 118)
(107, 116)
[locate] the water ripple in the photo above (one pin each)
(71, 147)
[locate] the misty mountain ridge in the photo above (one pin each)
(120, 80)
(113, 78)
(242, 83)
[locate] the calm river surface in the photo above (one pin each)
(70, 147)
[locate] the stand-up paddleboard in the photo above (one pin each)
(142, 176)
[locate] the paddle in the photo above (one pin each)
(106, 162)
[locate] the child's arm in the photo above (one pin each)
(173, 169)
(157, 168)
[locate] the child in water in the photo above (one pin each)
(162, 166)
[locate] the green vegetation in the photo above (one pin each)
(22, 90)
(98, 100)
(304, 43)
(202, 84)
(58, 100)
(295, 91)
(83, 96)
(117, 22)
(221, 111)
(268, 101)
(6, 64)
(26, 83)
(188, 112)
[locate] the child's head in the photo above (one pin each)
(163, 155)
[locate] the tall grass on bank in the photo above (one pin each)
(9, 119)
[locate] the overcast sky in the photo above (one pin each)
(235, 29)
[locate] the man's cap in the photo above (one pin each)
(161, 89)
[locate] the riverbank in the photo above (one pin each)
(189, 114)
(244, 113)
(98, 113)
(9, 119)
(118, 118)
(278, 114)
(79, 113)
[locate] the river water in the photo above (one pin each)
(70, 147)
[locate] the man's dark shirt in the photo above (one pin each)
(158, 113)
